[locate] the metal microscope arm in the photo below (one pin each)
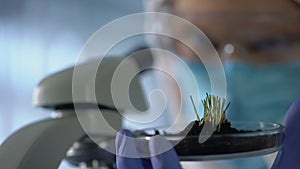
(41, 145)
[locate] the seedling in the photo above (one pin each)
(227, 139)
(195, 109)
(214, 110)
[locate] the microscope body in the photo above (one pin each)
(44, 144)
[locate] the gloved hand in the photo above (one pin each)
(128, 156)
(288, 157)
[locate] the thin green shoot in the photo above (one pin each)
(214, 111)
(195, 109)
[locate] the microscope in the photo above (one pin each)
(44, 144)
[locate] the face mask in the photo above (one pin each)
(257, 93)
(261, 93)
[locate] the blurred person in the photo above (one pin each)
(258, 42)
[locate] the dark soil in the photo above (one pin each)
(195, 128)
(224, 141)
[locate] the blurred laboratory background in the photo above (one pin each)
(38, 38)
(258, 42)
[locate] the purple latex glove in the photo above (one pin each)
(288, 157)
(126, 146)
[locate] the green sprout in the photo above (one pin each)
(195, 109)
(214, 110)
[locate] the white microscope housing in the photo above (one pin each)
(45, 143)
